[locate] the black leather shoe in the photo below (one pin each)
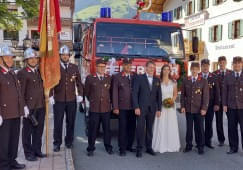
(139, 154)
(231, 151)
(200, 151)
(56, 148)
(122, 153)
(131, 149)
(31, 158)
(17, 165)
(41, 155)
(90, 153)
(209, 146)
(109, 151)
(151, 152)
(221, 144)
(69, 146)
(187, 149)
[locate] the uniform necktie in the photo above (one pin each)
(193, 80)
(222, 74)
(65, 65)
(237, 76)
(205, 76)
(101, 78)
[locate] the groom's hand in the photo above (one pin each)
(158, 113)
(183, 110)
(116, 111)
(137, 112)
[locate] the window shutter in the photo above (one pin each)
(175, 11)
(187, 9)
(199, 5)
(181, 15)
(207, 3)
(193, 6)
(199, 34)
(241, 28)
(210, 34)
(230, 30)
(219, 33)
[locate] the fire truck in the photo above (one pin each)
(115, 39)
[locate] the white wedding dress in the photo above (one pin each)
(166, 131)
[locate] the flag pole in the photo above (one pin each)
(47, 119)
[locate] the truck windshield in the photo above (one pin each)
(134, 40)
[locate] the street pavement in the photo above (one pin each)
(215, 159)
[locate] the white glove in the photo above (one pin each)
(51, 100)
(1, 120)
(26, 112)
(79, 99)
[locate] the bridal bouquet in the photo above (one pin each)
(168, 103)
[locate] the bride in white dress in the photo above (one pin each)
(166, 131)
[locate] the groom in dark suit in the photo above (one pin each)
(147, 99)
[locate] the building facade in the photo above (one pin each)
(217, 23)
(30, 29)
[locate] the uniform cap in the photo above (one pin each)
(64, 50)
(30, 53)
(5, 50)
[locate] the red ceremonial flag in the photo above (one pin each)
(49, 26)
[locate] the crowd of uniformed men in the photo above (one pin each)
(203, 95)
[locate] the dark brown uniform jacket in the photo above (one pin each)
(233, 91)
(65, 90)
(195, 96)
(214, 91)
(122, 91)
(11, 100)
(32, 88)
(220, 79)
(98, 93)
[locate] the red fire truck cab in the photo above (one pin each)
(141, 40)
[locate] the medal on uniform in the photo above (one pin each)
(241, 89)
(105, 85)
(198, 91)
(73, 78)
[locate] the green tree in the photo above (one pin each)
(11, 19)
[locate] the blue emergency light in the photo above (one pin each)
(105, 12)
(166, 16)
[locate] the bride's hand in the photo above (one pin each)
(158, 113)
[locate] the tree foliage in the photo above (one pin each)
(12, 19)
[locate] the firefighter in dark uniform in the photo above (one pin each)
(233, 103)
(11, 109)
(65, 99)
(220, 75)
(98, 92)
(122, 106)
(33, 93)
(214, 100)
(194, 103)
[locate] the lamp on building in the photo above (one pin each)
(14, 43)
(26, 42)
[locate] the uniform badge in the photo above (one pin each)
(210, 85)
(198, 91)
(73, 78)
